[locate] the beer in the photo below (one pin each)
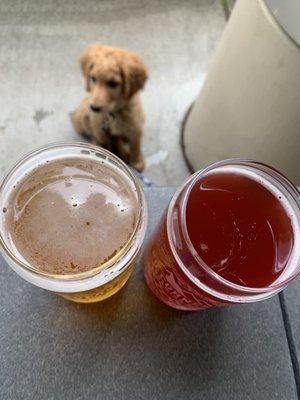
(71, 217)
(231, 235)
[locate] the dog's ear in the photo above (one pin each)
(134, 73)
(86, 62)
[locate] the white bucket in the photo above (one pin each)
(250, 102)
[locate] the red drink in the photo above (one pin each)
(239, 228)
(229, 236)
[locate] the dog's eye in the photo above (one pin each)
(93, 78)
(112, 84)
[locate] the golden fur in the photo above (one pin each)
(113, 78)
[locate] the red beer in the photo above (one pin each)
(229, 235)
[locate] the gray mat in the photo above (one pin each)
(291, 308)
(133, 347)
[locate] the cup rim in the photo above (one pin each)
(252, 292)
(112, 261)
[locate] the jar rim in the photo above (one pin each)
(252, 292)
(92, 150)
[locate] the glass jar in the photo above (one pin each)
(180, 278)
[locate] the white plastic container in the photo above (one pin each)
(250, 102)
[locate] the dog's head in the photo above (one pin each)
(112, 76)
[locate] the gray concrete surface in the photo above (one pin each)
(230, 4)
(40, 81)
(292, 303)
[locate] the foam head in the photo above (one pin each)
(70, 215)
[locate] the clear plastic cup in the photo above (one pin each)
(97, 283)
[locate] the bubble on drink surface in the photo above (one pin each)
(4, 209)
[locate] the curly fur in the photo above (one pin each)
(113, 79)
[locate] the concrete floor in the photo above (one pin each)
(40, 82)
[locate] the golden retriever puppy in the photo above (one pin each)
(112, 115)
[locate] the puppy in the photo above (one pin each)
(112, 115)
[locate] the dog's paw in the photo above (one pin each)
(139, 165)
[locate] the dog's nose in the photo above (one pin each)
(95, 108)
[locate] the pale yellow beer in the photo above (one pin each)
(76, 218)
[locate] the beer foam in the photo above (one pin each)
(71, 215)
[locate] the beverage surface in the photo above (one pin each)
(239, 228)
(71, 215)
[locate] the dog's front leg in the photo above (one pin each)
(99, 136)
(136, 156)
